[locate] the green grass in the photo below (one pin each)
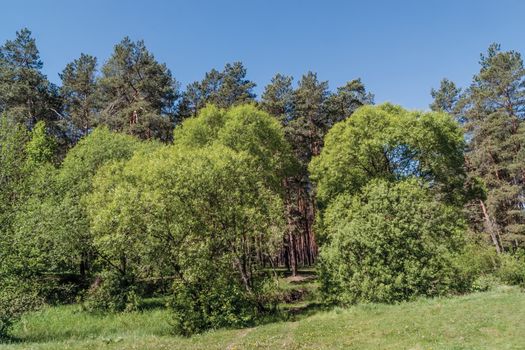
(489, 320)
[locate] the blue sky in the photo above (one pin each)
(400, 49)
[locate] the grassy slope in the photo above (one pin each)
(491, 320)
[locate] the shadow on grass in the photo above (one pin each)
(153, 304)
(305, 305)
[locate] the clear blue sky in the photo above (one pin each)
(399, 48)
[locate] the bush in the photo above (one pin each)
(16, 298)
(390, 243)
(485, 283)
(512, 269)
(202, 305)
(476, 267)
(112, 292)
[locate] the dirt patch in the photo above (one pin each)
(300, 278)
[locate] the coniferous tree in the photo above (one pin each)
(310, 116)
(79, 94)
(307, 113)
(346, 100)
(138, 93)
(277, 98)
(448, 99)
(495, 122)
(223, 89)
(235, 88)
(25, 93)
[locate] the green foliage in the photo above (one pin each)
(485, 283)
(38, 248)
(202, 306)
(25, 93)
(390, 143)
(41, 147)
(494, 115)
(310, 110)
(112, 292)
(138, 93)
(12, 152)
(75, 181)
(512, 269)
(347, 100)
(243, 129)
(203, 214)
(79, 93)
(278, 98)
(223, 89)
(477, 265)
(392, 242)
(16, 298)
(446, 98)
(207, 210)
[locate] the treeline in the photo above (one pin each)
(117, 185)
(132, 93)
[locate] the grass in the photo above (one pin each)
(489, 320)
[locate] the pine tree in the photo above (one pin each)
(348, 98)
(495, 121)
(138, 93)
(307, 113)
(235, 88)
(79, 94)
(310, 116)
(25, 93)
(223, 89)
(277, 98)
(448, 99)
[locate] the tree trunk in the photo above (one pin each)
(293, 256)
(490, 226)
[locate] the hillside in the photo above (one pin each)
(489, 320)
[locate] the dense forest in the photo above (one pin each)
(119, 184)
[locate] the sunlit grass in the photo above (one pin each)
(490, 320)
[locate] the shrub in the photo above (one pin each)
(202, 305)
(16, 298)
(512, 269)
(484, 283)
(476, 267)
(392, 242)
(112, 292)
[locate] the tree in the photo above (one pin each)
(446, 98)
(243, 128)
(25, 93)
(347, 100)
(79, 94)
(302, 114)
(307, 113)
(137, 92)
(75, 181)
(392, 241)
(13, 138)
(223, 89)
(41, 147)
(37, 247)
(494, 120)
(310, 118)
(390, 143)
(207, 209)
(18, 153)
(235, 89)
(389, 187)
(277, 98)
